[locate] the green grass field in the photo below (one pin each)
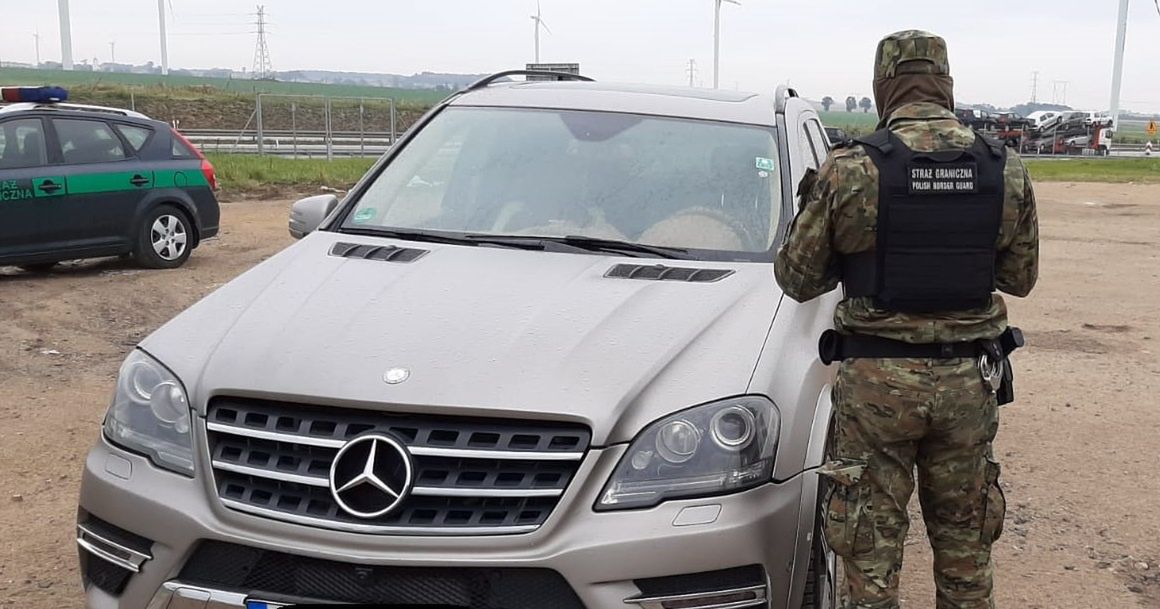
(81, 80)
(250, 173)
(853, 123)
(1141, 171)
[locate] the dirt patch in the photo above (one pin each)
(1078, 447)
(1065, 340)
(1108, 328)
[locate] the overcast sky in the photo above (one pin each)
(823, 47)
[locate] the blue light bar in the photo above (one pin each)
(41, 95)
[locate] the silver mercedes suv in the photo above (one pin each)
(536, 359)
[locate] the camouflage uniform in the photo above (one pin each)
(894, 414)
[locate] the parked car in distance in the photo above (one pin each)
(1043, 120)
(1073, 120)
(975, 119)
(1010, 121)
(87, 181)
(1098, 119)
(535, 359)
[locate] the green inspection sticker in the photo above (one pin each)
(764, 164)
(364, 215)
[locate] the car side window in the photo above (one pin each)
(180, 150)
(22, 144)
(136, 136)
(809, 154)
(819, 140)
(87, 141)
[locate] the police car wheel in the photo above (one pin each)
(39, 267)
(164, 239)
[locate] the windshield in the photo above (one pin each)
(710, 188)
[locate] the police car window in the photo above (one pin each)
(22, 144)
(136, 136)
(85, 141)
(181, 151)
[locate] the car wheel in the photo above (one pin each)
(163, 239)
(39, 267)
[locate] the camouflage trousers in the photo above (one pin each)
(892, 415)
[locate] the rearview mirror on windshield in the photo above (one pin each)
(306, 215)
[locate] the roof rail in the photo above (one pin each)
(487, 80)
(783, 94)
(89, 108)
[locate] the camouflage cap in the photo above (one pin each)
(910, 47)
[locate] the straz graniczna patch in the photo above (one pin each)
(943, 178)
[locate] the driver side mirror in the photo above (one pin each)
(306, 215)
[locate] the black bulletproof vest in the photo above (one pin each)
(939, 215)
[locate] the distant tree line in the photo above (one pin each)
(852, 103)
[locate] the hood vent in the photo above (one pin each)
(660, 272)
(385, 253)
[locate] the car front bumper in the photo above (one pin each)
(603, 557)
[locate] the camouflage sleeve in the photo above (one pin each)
(804, 267)
(1017, 266)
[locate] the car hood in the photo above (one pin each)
(483, 332)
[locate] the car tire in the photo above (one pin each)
(39, 267)
(164, 238)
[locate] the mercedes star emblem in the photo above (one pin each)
(394, 376)
(370, 475)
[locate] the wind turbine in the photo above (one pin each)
(66, 58)
(717, 41)
(164, 38)
(1118, 63)
(539, 22)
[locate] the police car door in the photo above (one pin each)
(105, 184)
(27, 185)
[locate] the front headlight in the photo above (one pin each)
(713, 449)
(150, 414)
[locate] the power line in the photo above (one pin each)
(263, 67)
(1035, 87)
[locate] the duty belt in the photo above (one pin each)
(834, 347)
(992, 354)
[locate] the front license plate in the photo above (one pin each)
(263, 605)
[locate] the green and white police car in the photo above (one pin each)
(88, 181)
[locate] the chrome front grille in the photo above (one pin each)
(471, 476)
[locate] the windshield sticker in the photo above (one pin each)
(764, 164)
(364, 215)
(763, 174)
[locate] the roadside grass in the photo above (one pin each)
(241, 173)
(252, 173)
(1145, 171)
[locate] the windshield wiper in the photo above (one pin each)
(614, 245)
(594, 244)
(438, 237)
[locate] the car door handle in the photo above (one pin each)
(49, 186)
(139, 180)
